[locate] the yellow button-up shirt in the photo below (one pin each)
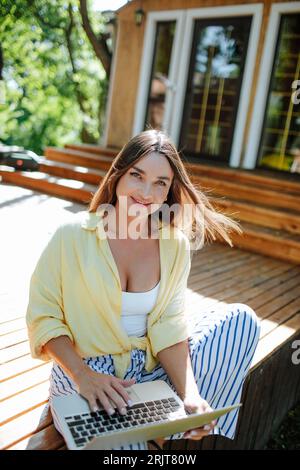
(75, 290)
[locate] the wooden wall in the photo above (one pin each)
(128, 55)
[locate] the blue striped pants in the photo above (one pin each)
(222, 345)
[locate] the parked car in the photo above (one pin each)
(18, 158)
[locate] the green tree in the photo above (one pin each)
(56, 84)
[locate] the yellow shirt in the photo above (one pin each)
(75, 290)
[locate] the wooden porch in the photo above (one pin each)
(262, 270)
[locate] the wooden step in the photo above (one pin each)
(275, 243)
(259, 215)
(96, 149)
(64, 188)
(77, 157)
(245, 177)
(67, 170)
(266, 197)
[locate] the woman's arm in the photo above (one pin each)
(93, 386)
(176, 361)
(63, 352)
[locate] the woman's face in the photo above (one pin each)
(146, 184)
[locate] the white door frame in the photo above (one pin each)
(146, 64)
(255, 131)
(179, 67)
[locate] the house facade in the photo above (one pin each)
(221, 78)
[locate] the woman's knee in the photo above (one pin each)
(240, 309)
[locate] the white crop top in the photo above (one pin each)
(135, 308)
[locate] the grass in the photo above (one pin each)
(287, 437)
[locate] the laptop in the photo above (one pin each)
(157, 411)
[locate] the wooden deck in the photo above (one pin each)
(219, 275)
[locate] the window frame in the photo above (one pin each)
(264, 80)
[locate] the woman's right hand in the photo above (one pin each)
(107, 389)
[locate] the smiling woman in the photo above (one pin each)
(111, 310)
(149, 170)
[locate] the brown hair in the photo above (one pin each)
(204, 225)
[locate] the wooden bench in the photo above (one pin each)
(219, 275)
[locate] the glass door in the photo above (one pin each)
(212, 95)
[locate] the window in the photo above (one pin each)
(280, 139)
(159, 74)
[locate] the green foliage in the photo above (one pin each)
(55, 91)
(287, 437)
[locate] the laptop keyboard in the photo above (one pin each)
(86, 426)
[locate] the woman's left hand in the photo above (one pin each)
(196, 404)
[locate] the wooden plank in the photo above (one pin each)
(216, 266)
(13, 352)
(10, 339)
(266, 244)
(75, 173)
(97, 149)
(269, 231)
(25, 425)
(279, 317)
(224, 286)
(77, 168)
(223, 260)
(46, 439)
(205, 258)
(207, 263)
(87, 160)
(261, 285)
(225, 277)
(253, 283)
(18, 366)
(66, 152)
(275, 339)
(4, 322)
(285, 297)
(46, 187)
(258, 195)
(291, 280)
(25, 381)
(245, 177)
(265, 216)
(12, 325)
(252, 277)
(24, 401)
